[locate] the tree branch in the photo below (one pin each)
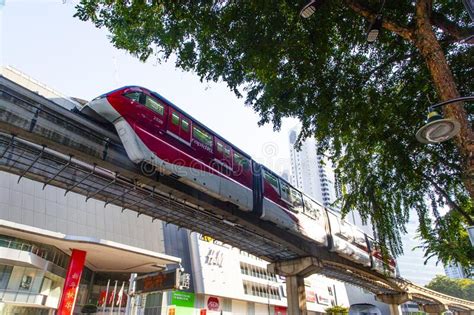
(449, 27)
(362, 10)
(451, 203)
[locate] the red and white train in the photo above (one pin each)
(158, 135)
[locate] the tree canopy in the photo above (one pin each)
(461, 288)
(362, 102)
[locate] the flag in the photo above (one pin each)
(120, 295)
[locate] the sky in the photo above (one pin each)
(42, 39)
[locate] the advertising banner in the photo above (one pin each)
(180, 298)
(160, 281)
(72, 281)
(310, 296)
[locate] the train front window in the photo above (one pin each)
(202, 136)
(154, 105)
(134, 96)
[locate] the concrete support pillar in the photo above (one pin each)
(295, 271)
(394, 309)
(296, 295)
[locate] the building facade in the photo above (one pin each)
(413, 257)
(310, 171)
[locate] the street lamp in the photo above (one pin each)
(438, 129)
(310, 8)
(374, 29)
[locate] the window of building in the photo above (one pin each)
(152, 104)
(26, 282)
(202, 136)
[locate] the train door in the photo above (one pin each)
(179, 125)
(154, 113)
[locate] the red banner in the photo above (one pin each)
(280, 310)
(71, 283)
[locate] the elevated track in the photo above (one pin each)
(48, 143)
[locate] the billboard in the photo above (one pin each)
(159, 281)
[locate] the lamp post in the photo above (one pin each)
(438, 129)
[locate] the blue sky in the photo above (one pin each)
(42, 39)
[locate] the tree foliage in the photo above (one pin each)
(461, 288)
(363, 103)
(337, 310)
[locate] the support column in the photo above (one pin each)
(394, 309)
(71, 283)
(295, 271)
(296, 295)
(394, 301)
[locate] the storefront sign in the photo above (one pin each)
(213, 303)
(214, 257)
(280, 310)
(160, 281)
(72, 281)
(310, 296)
(180, 298)
(323, 300)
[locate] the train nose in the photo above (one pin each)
(103, 108)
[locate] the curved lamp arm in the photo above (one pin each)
(453, 100)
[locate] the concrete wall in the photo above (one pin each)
(27, 203)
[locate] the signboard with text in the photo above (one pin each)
(160, 281)
(180, 298)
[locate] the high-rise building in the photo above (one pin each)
(456, 271)
(313, 174)
(310, 171)
(411, 264)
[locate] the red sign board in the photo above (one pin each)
(280, 310)
(71, 283)
(213, 303)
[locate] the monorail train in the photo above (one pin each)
(158, 135)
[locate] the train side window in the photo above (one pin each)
(272, 180)
(285, 191)
(184, 124)
(220, 146)
(227, 151)
(202, 136)
(134, 96)
(175, 118)
(241, 160)
(296, 198)
(154, 105)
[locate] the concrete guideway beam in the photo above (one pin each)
(434, 308)
(395, 299)
(295, 271)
